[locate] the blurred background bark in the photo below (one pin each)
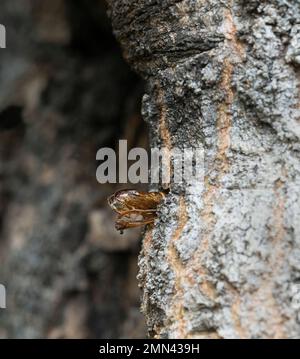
(64, 93)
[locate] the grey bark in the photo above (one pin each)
(223, 260)
(64, 93)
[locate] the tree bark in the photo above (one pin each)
(223, 259)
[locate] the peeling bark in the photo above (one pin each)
(223, 259)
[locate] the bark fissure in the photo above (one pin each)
(177, 317)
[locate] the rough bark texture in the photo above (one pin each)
(222, 259)
(64, 93)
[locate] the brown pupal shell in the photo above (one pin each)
(135, 208)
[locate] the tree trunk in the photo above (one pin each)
(223, 259)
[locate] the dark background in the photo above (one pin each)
(65, 91)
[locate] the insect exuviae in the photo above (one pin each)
(135, 208)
